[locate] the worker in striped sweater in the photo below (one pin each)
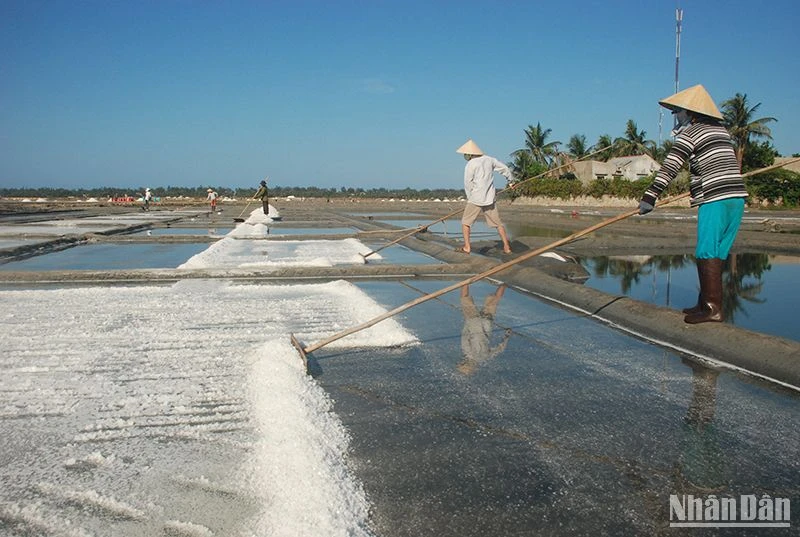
(716, 187)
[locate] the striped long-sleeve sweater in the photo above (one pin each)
(713, 167)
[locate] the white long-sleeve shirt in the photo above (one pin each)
(479, 179)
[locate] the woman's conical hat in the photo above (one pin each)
(469, 148)
(694, 99)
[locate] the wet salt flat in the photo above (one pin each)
(183, 410)
(165, 231)
(54, 229)
(110, 256)
(553, 425)
(15, 243)
(81, 226)
(451, 228)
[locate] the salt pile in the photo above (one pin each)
(180, 409)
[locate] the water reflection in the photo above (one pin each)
(758, 292)
(476, 335)
(702, 463)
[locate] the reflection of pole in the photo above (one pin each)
(669, 280)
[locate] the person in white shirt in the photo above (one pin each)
(212, 199)
(479, 187)
(147, 198)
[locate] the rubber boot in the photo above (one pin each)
(710, 271)
(699, 306)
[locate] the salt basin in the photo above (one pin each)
(182, 409)
(236, 251)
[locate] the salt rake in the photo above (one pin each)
(305, 351)
(239, 218)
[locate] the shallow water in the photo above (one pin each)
(110, 256)
(447, 228)
(542, 434)
(161, 231)
(760, 291)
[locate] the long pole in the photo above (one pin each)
(482, 275)
(499, 268)
(511, 187)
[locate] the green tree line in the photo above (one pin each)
(541, 154)
(104, 193)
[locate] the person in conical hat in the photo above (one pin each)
(470, 148)
(695, 99)
(146, 199)
(212, 199)
(479, 187)
(263, 194)
(716, 186)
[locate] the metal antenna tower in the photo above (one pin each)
(678, 21)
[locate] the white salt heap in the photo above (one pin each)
(182, 409)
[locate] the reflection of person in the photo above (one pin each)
(147, 198)
(702, 461)
(716, 186)
(479, 187)
(477, 332)
(212, 199)
(263, 194)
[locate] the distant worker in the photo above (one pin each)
(479, 187)
(212, 199)
(147, 198)
(263, 194)
(716, 186)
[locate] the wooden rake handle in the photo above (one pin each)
(482, 275)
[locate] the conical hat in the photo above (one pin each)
(694, 99)
(469, 148)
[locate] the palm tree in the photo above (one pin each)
(524, 167)
(660, 152)
(634, 142)
(577, 146)
(537, 145)
(604, 140)
(738, 119)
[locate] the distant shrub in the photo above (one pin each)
(553, 188)
(775, 186)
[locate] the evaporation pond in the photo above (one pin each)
(110, 257)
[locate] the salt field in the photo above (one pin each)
(182, 408)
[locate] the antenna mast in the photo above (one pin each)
(678, 21)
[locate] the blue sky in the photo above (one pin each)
(358, 93)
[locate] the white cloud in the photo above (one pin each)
(376, 86)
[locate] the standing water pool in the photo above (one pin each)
(759, 290)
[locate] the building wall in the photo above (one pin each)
(630, 168)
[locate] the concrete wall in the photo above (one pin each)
(630, 168)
